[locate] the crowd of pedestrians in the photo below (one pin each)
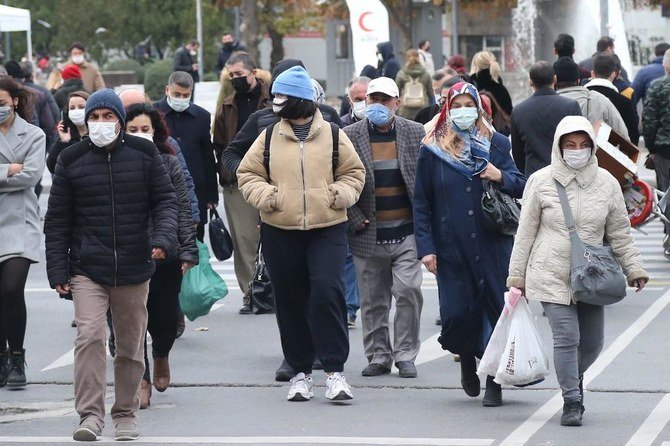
(347, 208)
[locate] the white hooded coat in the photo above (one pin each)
(540, 260)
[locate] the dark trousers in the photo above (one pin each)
(306, 273)
(13, 275)
(163, 307)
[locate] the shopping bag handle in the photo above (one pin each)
(213, 214)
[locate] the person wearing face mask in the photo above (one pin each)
(381, 232)
(101, 253)
(71, 129)
(90, 75)
(190, 125)
(228, 46)
(250, 94)
(144, 121)
(302, 174)
(71, 82)
(356, 98)
(388, 65)
(469, 260)
(541, 259)
(185, 59)
(22, 147)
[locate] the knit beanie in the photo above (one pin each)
(294, 82)
(106, 98)
(14, 69)
(566, 70)
(71, 72)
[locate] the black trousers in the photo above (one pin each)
(13, 275)
(163, 307)
(306, 273)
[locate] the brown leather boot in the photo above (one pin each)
(145, 394)
(161, 373)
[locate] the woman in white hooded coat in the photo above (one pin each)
(540, 263)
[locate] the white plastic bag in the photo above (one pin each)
(496, 347)
(524, 360)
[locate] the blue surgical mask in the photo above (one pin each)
(379, 114)
(464, 118)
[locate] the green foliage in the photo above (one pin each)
(127, 65)
(156, 78)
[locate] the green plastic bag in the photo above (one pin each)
(201, 287)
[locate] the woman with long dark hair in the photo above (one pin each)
(145, 121)
(22, 148)
(71, 129)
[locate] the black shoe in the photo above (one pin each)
(469, 378)
(16, 375)
(3, 368)
(375, 369)
(406, 369)
(438, 321)
(317, 365)
(284, 373)
(111, 345)
(246, 309)
(493, 394)
(572, 413)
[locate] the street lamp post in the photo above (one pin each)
(199, 37)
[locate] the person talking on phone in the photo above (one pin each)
(71, 127)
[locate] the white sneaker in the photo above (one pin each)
(301, 388)
(337, 388)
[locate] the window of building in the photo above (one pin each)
(469, 45)
(342, 42)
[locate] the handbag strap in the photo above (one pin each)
(578, 247)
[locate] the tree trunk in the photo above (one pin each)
(249, 29)
(277, 39)
(400, 13)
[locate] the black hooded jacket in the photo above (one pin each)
(389, 66)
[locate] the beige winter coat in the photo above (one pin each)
(301, 192)
(540, 260)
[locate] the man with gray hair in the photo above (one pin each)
(190, 124)
(356, 97)
(656, 131)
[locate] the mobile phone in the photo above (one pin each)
(62, 116)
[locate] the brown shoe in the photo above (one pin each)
(161, 373)
(145, 394)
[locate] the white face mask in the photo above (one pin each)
(278, 104)
(577, 159)
(148, 136)
(77, 116)
(359, 109)
(78, 59)
(102, 134)
(178, 104)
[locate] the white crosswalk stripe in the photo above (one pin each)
(649, 244)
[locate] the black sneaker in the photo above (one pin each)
(16, 375)
(284, 373)
(375, 369)
(406, 369)
(246, 309)
(572, 413)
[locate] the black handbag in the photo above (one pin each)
(501, 212)
(219, 237)
(261, 297)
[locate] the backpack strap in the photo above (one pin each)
(266, 151)
(336, 147)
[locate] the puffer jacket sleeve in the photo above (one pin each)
(187, 251)
(58, 226)
(529, 223)
(350, 175)
(253, 180)
(618, 236)
(164, 207)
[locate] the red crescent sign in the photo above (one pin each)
(361, 19)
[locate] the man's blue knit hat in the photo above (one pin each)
(106, 98)
(294, 82)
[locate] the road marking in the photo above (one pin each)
(534, 423)
(269, 440)
(653, 425)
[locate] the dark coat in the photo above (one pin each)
(191, 130)
(348, 119)
(257, 122)
(483, 81)
(45, 117)
(625, 108)
(645, 77)
(389, 66)
(225, 53)
(69, 86)
(408, 139)
(97, 222)
(427, 113)
(187, 249)
(183, 61)
(534, 123)
(472, 261)
(58, 146)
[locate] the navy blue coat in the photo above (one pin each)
(472, 262)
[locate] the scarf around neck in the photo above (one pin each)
(474, 156)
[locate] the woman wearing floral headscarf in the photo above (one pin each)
(469, 260)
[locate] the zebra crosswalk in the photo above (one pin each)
(649, 243)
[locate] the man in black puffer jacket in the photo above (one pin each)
(98, 248)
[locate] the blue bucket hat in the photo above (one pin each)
(106, 98)
(294, 82)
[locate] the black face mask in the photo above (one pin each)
(240, 84)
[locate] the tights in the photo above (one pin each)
(13, 275)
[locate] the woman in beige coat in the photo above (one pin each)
(302, 174)
(540, 262)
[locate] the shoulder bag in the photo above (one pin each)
(501, 212)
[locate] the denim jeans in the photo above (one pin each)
(351, 287)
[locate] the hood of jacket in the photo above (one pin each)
(386, 50)
(559, 168)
